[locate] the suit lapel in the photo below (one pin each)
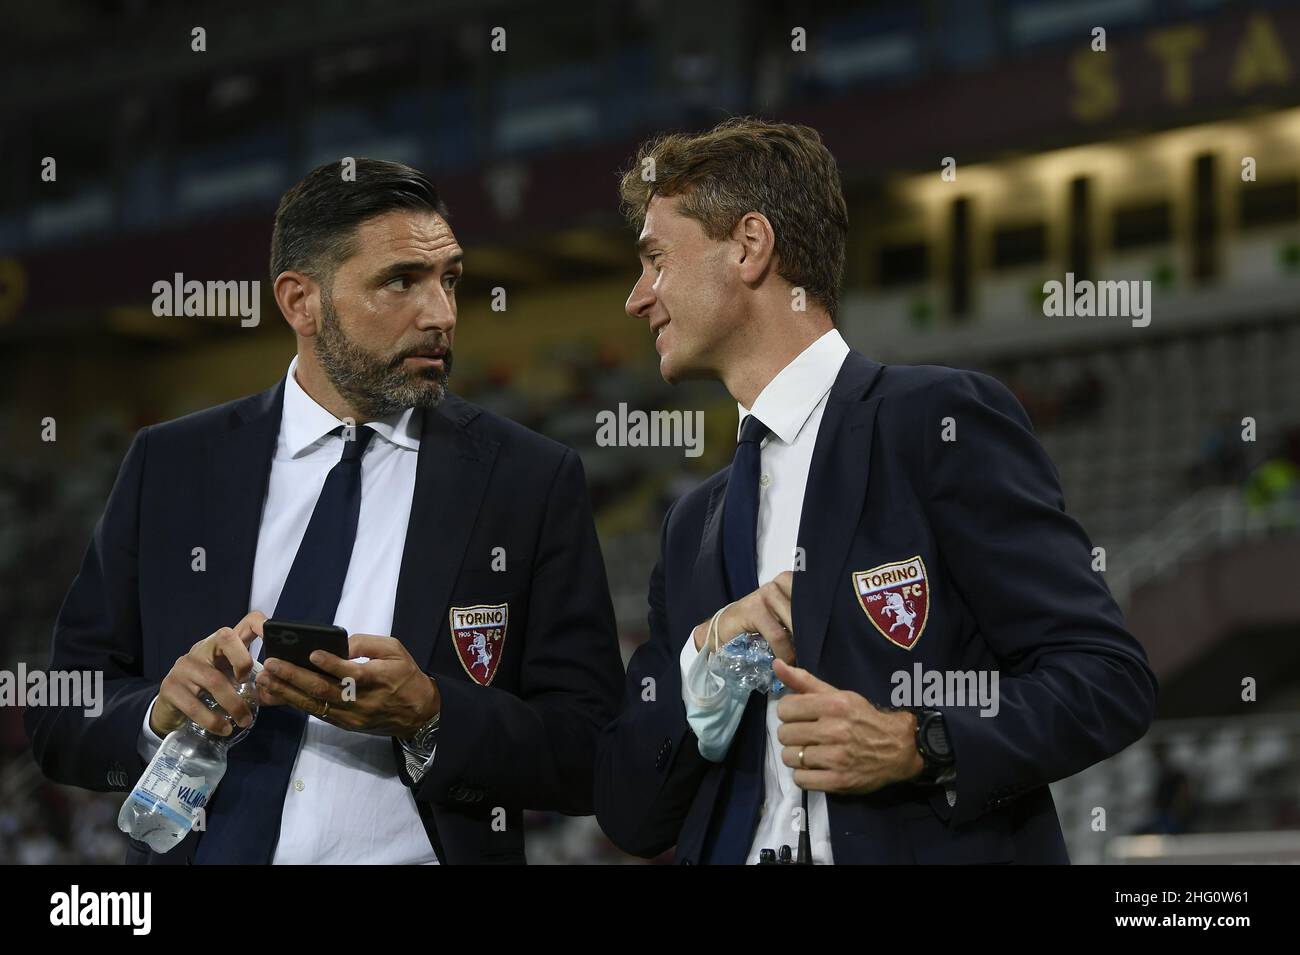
(708, 591)
(450, 479)
(709, 579)
(832, 503)
(237, 473)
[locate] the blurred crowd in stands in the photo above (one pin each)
(49, 505)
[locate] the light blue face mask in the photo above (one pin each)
(718, 687)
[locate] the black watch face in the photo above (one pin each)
(936, 738)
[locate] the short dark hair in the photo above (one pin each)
(318, 217)
(746, 165)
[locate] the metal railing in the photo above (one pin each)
(1209, 520)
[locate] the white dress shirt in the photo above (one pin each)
(345, 802)
(791, 406)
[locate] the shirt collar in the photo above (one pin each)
(305, 422)
(789, 399)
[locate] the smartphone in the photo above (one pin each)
(294, 642)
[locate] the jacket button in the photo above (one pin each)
(662, 758)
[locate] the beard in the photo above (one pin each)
(377, 385)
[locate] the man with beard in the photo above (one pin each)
(456, 547)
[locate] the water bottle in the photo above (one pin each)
(180, 779)
(744, 663)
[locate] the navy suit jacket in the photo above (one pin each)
(1009, 587)
(527, 740)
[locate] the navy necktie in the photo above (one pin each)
(741, 793)
(244, 817)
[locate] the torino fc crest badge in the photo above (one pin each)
(479, 634)
(896, 599)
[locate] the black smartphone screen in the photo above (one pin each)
(294, 642)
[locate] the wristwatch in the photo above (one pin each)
(421, 744)
(935, 748)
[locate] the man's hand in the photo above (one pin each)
(849, 746)
(766, 611)
(388, 695)
(211, 664)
